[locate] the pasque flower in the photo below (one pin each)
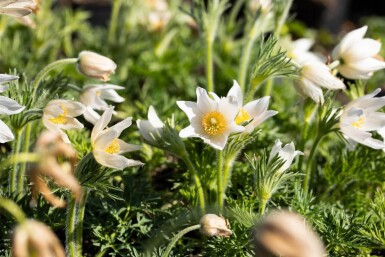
(358, 56)
(94, 96)
(60, 114)
(151, 129)
(95, 65)
(214, 225)
(299, 51)
(8, 107)
(212, 120)
(361, 116)
(253, 113)
(313, 76)
(16, 8)
(286, 153)
(107, 147)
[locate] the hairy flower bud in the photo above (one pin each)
(95, 65)
(213, 225)
(287, 234)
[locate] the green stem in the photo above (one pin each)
(309, 164)
(197, 181)
(209, 65)
(48, 68)
(268, 87)
(70, 229)
(79, 222)
(12, 208)
(220, 193)
(262, 207)
(21, 175)
(114, 20)
(226, 174)
(177, 237)
(283, 18)
(301, 147)
(14, 172)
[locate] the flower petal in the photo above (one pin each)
(190, 108)
(236, 92)
(91, 116)
(5, 133)
(204, 102)
(114, 161)
(4, 78)
(9, 106)
(124, 147)
(102, 123)
(350, 39)
(310, 89)
(154, 119)
(363, 49)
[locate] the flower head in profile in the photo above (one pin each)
(313, 76)
(214, 225)
(106, 145)
(7, 107)
(253, 113)
(358, 56)
(96, 66)
(33, 238)
(94, 96)
(212, 120)
(17, 8)
(60, 114)
(151, 129)
(299, 51)
(361, 116)
(286, 154)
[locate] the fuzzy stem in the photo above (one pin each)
(220, 193)
(114, 20)
(79, 221)
(226, 175)
(21, 175)
(262, 207)
(268, 87)
(71, 247)
(12, 180)
(177, 237)
(13, 209)
(48, 68)
(197, 181)
(209, 65)
(310, 162)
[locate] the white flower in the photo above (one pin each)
(211, 120)
(95, 65)
(264, 5)
(358, 55)
(16, 8)
(313, 76)
(286, 153)
(94, 96)
(8, 107)
(150, 129)
(59, 114)
(107, 147)
(255, 112)
(360, 117)
(299, 52)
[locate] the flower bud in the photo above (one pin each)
(34, 237)
(213, 225)
(287, 234)
(95, 65)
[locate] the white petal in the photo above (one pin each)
(229, 108)
(5, 133)
(257, 107)
(363, 49)
(124, 147)
(303, 44)
(114, 161)
(374, 121)
(275, 150)
(91, 116)
(319, 74)
(204, 102)
(154, 119)
(258, 120)
(352, 73)
(188, 132)
(350, 39)
(7, 78)
(111, 95)
(104, 138)
(122, 125)
(15, 12)
(218, 142)
(9, 106)
(71, 123)
(3, 88)
(368, 65)
(310, 89)
(102, 123)
(190, 108)
(236, 92)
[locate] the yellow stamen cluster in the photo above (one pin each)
(359, 123)
(242, 116)
(61, 118)
(214, 123)
(114, 147)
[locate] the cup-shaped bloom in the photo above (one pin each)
(358, 55)
(33, 238)
(107, 147)
(313, 76)
(94, 96)
(60, 114)
(287, 234)
(253, 113)
(286, 153)
(213, 225)
(299, 51)
(151, 129)
(95, 65)
(212, 120)
(361, 116)
(16, 8)
(8, 107)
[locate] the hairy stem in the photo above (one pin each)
(220, 192)
(114, 20)
(177, 237)
(21, 175)
(209, 65)
(13, 175)
(309, 164)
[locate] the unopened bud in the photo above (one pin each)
(213, 225)
(95, 65)
(287, 234)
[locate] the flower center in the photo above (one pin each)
(214, 123)
(113, 148)
(242, 116)
(359, 123)
(61, 118)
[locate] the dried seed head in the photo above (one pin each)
(213, 225)
(95, 65)
(34, 237)
(287, 234)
